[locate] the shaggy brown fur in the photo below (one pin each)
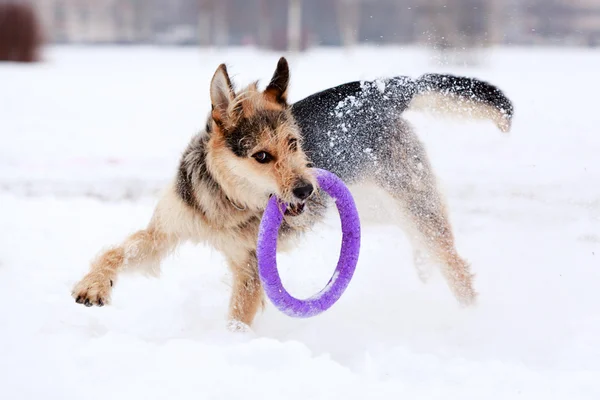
(20, 32)
(250, 150)
(253, 148)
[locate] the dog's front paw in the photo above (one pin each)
(93, 289)
(236, 326)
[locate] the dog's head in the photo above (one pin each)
(255, 146)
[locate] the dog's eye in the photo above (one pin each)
(293, 144)
(263, 157)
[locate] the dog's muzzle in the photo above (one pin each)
(302, 191)
(295, 209)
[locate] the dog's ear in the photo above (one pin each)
(221, 94)
(277, 89)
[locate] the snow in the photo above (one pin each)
(90, 137)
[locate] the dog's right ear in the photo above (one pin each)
(221, 94)
(277, 89)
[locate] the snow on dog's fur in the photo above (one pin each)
(256, 145)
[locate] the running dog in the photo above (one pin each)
(256, 145)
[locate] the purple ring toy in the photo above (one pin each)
(266, 252)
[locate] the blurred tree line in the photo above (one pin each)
(284, 24)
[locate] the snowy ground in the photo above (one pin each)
(89, 137)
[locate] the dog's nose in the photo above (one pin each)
(303, 191)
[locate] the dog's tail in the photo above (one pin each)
(462, 97)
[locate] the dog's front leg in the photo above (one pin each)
(143, 247)
(247, 295)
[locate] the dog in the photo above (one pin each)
(255, 145)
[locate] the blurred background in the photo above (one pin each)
(301, 24)
(92, 134)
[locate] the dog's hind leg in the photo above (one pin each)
(143, 247)
(247, 295)
(408, 177)
(432, 229)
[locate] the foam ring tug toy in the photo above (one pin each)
(266, 252)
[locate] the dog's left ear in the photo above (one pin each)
(221, 94)
(277, 89)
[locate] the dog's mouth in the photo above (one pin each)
(295, 209)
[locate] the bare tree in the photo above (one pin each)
(142, 13)
(221, 22)
(348, 12)
(294, 32)
(264, 26)
(204, 22)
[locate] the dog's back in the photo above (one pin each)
(348, 129)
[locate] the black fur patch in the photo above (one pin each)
(253, 220)
(193, 169)
(293, 144)
(348, 129)
(341, 126)
(244, 136)
(185, 186)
